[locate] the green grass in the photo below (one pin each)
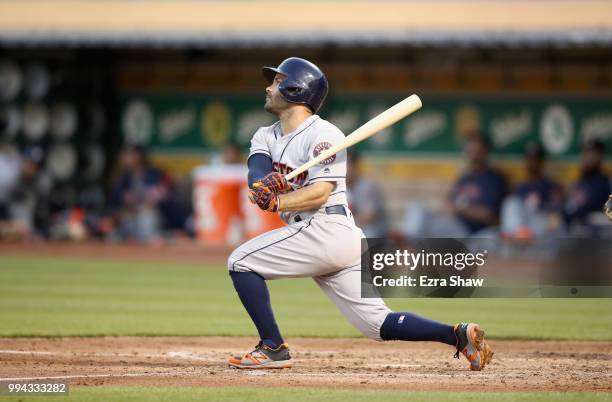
(57, 297)
(149, 394)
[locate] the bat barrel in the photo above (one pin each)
(390, 116)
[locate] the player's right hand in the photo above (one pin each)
(264, 198)
(275, 182)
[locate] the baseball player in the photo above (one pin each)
(320, 240)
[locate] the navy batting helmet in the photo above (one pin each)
(304, 82)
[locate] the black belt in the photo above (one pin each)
(336, 210)
(331, 210)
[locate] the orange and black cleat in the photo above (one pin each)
(264, 357)
(471, 342)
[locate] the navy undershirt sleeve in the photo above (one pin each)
(259, 166)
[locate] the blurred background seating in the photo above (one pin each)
(107, 110)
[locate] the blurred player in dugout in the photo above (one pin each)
(473, 204)
(541, 209)
(143, 202)
(366, 200)
(582, 211)
(25, 189)
(534, 210)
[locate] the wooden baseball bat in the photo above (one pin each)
(390, 116)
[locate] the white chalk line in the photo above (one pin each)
(180, 355)
(24, 352)
(68, 377)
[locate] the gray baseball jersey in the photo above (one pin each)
(326, 247)
(292, 150)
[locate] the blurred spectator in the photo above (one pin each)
(142, 198)
(10, 167)
(591, 190)
(365, 200)
(474, 202)
(30, 199)
(231, 154)
(535, 207)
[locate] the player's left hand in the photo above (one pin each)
(275, 182)
(264, 198)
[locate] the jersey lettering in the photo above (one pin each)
(282, 168)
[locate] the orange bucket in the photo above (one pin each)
(216, 201)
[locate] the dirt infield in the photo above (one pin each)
(337, 363)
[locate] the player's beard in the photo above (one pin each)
(275, 104)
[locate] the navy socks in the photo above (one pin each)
(255, 298)
(411, 327)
